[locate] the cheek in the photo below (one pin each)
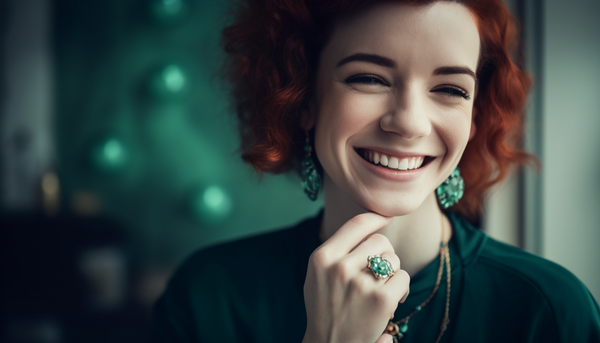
(342, 116)
(456, 133)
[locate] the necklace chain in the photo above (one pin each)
(397, 329)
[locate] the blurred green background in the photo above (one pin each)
(119, 159)
(145, 132)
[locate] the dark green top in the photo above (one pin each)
(251, 290)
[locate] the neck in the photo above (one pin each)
(415, 237)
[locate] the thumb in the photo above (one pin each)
(385, 338)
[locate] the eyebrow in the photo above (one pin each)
(376, 59)
(455, 70)
(389, 63)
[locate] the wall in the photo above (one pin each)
(571, 107)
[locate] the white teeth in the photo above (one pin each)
(384, 160)
(393, 162)
(403, 164)
(419, 162)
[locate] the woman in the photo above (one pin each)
(383, 100)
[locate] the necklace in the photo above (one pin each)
(399, 328)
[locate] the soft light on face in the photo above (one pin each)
(395, 80)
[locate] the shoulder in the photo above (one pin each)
(282, 244)
(548, 279)
(539, 289)
(241, 280)
(252, 257)
(486, 253)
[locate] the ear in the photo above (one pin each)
(308, 117)
(473, 130)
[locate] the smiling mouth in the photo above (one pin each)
(394, 163)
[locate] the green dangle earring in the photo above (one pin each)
(451, 190)
(311, 180)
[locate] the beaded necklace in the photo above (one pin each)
(399, 328)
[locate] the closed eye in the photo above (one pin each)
(453, 92)
(366, 79)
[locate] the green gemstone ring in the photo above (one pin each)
(380, 266)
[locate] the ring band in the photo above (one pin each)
(380, 266)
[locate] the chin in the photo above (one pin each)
(395, 208)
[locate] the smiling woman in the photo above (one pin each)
(383, 101)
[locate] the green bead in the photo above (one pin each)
(418, 308)
(404, 327)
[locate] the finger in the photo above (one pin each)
(376, 244)
(385, 338)
(399, 285)
(354, 231)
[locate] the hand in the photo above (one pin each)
(344, 301)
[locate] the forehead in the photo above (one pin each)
(415, 36)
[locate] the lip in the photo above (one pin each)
(394, 175)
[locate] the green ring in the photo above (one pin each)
(380, 266)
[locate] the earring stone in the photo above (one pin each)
(311, 180)
(451, 190)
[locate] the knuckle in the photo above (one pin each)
(382, 241)
(404, 274)
(319, 257)
(396, 261)
(341, 271)
(359, 284)
(382, 298)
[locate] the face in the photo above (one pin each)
(395, 86)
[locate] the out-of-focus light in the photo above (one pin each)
(173, 78)
(170, 81)
(211, 205)
(50, 187)
(168, 11)
(109, 155)
(50, 183)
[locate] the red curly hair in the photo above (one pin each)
(275, 46)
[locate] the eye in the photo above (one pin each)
(453, 92)
(366, 79)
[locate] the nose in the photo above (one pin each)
(407, 116)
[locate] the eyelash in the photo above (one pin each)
(454, 92)
(363, 78)
(372, 79)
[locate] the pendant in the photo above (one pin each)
(397, 332)
(393, 330)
